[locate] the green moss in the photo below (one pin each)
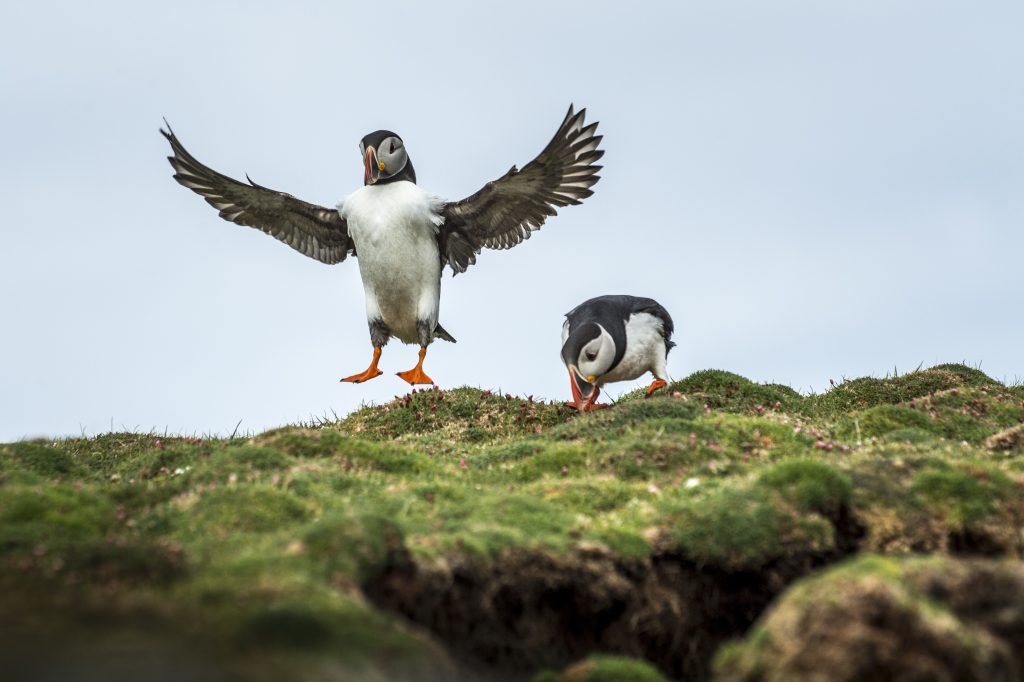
(54, 516)
(936, 610)
(812, 486)
(122, 560)
(611, 423)
(731, 392)
(910, 435)
(250, 456)
(265, 608)
(737, 527)
(624, 542)
(355, 545)
(966, 496)
(883, 419)
(161, 461)
(256, 508)
(463, 414)
(357, 453)
(973, 414)
(869, 391)
(487, 524)
(260, 544)
(605, 669)
(531, 459)
(39, 458)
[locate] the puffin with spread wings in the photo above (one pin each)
(402, 235)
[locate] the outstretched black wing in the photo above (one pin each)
(508, 209)
(315, 231)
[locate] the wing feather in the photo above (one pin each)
(506, 211)
(315, 231)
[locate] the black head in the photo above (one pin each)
(584, 353)
(385, 159)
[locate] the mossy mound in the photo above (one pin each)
(718, 389)
(605, 669)
(517, 534)
(467, 415)
(869, 391)
(875, 618)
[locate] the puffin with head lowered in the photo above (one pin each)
(614, 338)
(402, 235)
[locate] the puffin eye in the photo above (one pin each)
(394, 146)
(591, 356)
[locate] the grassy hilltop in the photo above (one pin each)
(469, 535)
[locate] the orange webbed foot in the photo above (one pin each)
(416, 375)
(363, 376)
(655, 385)
(370, 371)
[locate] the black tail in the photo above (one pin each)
(440, 333)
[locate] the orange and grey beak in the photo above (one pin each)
(372, 167)
(584, 385)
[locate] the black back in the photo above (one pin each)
(611, 312)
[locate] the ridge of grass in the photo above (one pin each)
(262, 544)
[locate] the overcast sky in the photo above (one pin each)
(814, 190)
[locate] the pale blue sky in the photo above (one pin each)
(814, 190)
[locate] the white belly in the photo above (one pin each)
(394, 228)
(645, 350)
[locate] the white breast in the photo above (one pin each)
(645, 350)
(394, 228)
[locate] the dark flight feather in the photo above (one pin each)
(507, 210)
(315, 231)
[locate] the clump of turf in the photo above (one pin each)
(876, 618)
(743, 527)
(463, 414)
(809, 485)
(717, 389)
(604, 669)
(869, 391)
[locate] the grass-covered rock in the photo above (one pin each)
(876, 618)
(468, 533)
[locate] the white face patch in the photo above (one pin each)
(596, 357)
(392, 154)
